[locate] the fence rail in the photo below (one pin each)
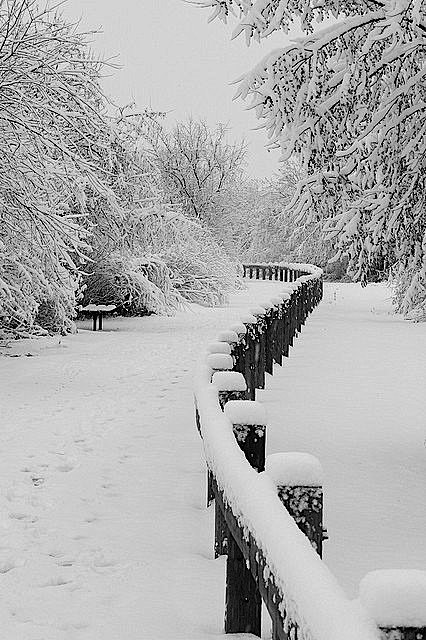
(268, 510)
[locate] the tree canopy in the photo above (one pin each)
(348, 99)
(85, 213)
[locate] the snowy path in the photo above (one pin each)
(103, 532)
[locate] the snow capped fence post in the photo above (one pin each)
(231, 385)
(243, 603)
(299, 479)
(260, 336)
(276, 331)
(285, 325)
(220, 362)
(246, 365)
(396, 601)
(238, 349)
(268, 317)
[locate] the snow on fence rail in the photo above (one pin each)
(274, 553)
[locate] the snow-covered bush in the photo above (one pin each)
(135, 285)
(410, 292)
(201, 270)
(169, 260)
(160, 255)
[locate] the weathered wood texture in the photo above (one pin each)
(251, 439)
(305, 505)
(236, 581)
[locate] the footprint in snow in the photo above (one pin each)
(104, 561)
(90, 518)
(67, 465)
(23, 517)
(66, 563)
(11, 563)
(56, 581)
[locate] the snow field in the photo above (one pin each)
(104, 533)
(352, 394)
(395, 598)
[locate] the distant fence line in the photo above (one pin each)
(274, 553)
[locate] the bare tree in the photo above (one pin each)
(197, 165)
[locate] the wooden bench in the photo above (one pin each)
(97, 311)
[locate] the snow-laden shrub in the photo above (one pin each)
(32, 298)
(410, 291)
(167, 260)
(200, 269)
(135, 285)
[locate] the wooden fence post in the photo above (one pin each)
(299, 479)
(276, 330)
(243, 603)
(260, 347)
(395, 600)
(246, 365)
(269, 316)
(284, 327)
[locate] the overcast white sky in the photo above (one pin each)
(172, 60)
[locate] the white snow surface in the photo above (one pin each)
(104, 533)
(246, 412)
(229, 381)
(352, 393)
(219, 347)
(239, 328)
(395, 598)
(257, 311)
(294, 469)
(249, 318)
(228, 336)
(220, 361)
(98, 307)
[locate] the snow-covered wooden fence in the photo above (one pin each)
(268, 511)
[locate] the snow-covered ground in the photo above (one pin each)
(104, 534)
(353, 393)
